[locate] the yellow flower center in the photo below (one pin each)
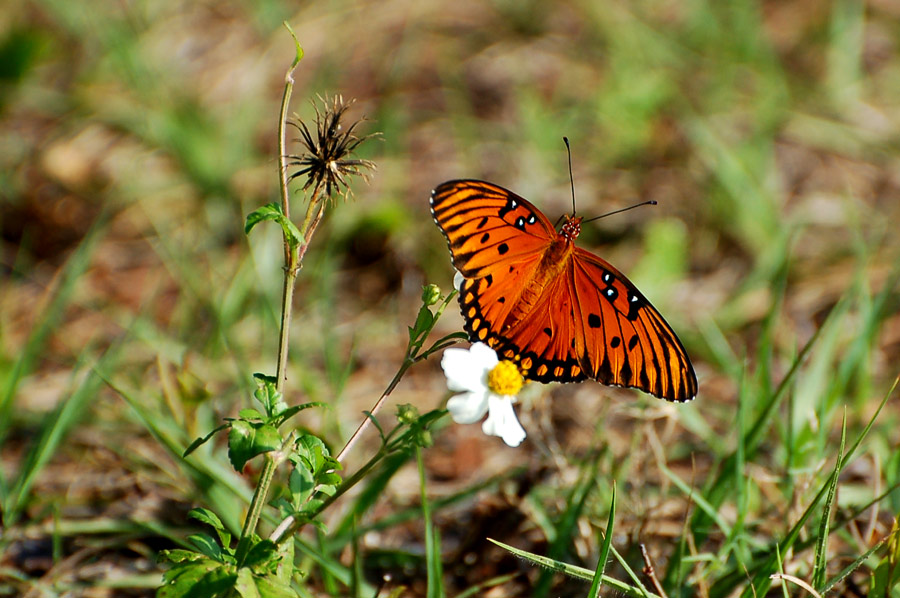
(505, 379)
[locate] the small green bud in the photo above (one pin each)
(407, 413)
(431, 294)
(424, 439)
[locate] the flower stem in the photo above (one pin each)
(366, 422)
(256, 505)
(292, 267)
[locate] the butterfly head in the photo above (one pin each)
(571, 227)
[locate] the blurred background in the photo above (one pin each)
(136, 136)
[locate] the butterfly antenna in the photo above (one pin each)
(571, 178)
(651, 202)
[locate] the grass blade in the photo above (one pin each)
(818, 578)
(435, 587)
(604, 548)
(575, 571)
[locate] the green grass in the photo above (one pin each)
(133, 311)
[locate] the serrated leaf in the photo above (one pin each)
(200, 441)
(261, 554)
(264, 378)
(312, 450)
(312, 505)
(300, 484)
(272, 587)
(208, 517)
(179, 555)
(250, 414)
(180, 580)
(207, 545)
(192, 579)
(245, 584)
(249, 439)
(290, 412)
(284, 572)
(327, 489)
(330, 479)
(215, 583)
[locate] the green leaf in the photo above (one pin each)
(313, 452)
(424, 322)
(215, 583)
(179, 555)
(300, 484)
(265, 378)
(250, 414)
(272, 587)
(208, 517)
(272, 211)
(246, 584)
(284, 572)
(262, 553)
(286, 414)
(191, 578)
(207, 545)
(194, 445)
(299, 55)
(249, 439)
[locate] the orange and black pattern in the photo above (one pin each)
(560, 312)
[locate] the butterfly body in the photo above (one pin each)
(560, 312)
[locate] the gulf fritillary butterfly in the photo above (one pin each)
(560, 312)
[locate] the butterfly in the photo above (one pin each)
(560, 312)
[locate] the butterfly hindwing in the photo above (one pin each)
(626, 340)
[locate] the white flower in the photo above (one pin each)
(488, 385)
(458, 280)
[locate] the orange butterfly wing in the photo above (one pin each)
(561, 312)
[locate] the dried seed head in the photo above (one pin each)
(325, 161)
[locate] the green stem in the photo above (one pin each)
(290, 525)
(292, 259)
(256, 505)
(366, 422)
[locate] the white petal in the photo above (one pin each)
(468, 407)
(457, 280)
(463, 371)
(485, 356)
(502, 421)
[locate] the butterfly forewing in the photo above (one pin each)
(485, 225)
(562, 313)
